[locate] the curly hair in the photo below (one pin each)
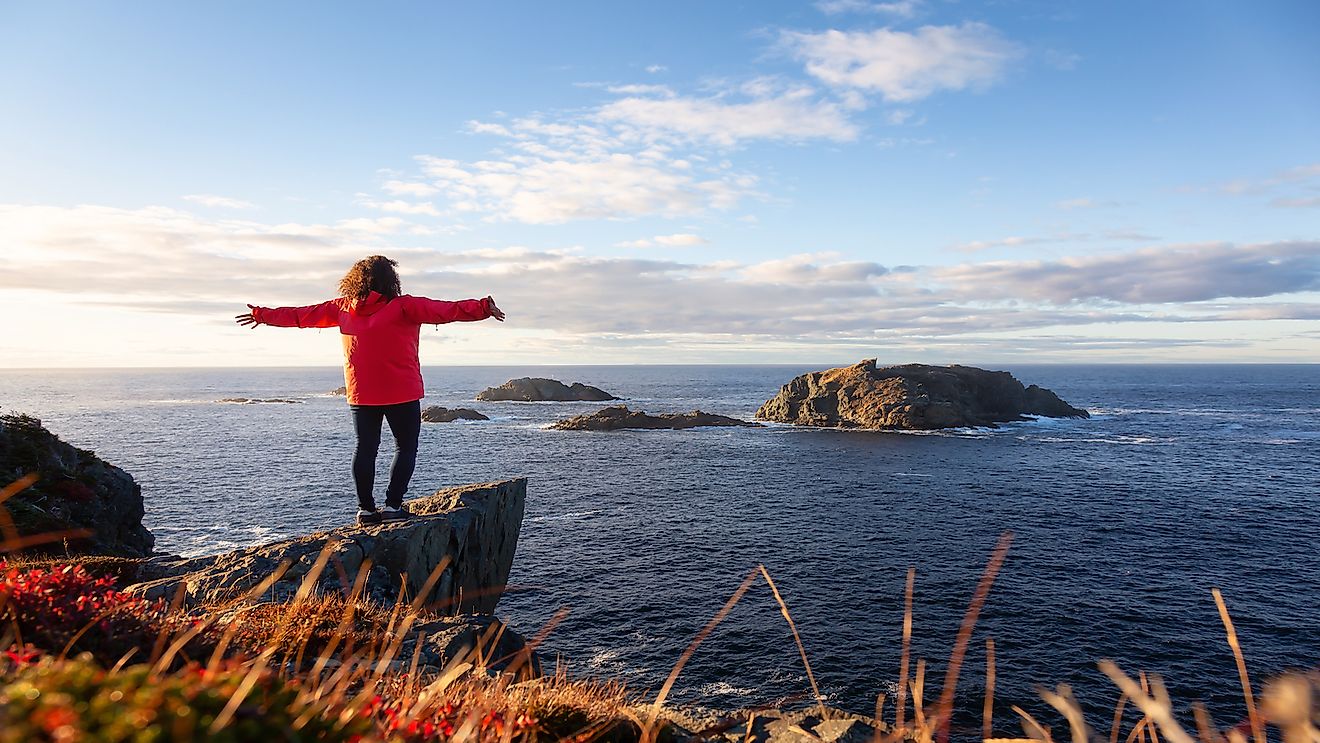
(373, 273)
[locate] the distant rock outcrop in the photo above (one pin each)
(438, 414)
(910, 397)
(468, 533)
(536, 389)
(79, 502)
(619, 416)
(340, 391)
(258, 401)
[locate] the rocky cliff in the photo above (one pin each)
(96, 506)
(469, 532)
(910, 397)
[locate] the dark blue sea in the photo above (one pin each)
(1186, 478)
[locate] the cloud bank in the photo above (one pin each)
(161, 259)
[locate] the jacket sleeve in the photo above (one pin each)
(424, 311)
(323, 315)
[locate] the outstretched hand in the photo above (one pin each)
(247, 319)
(495, 312)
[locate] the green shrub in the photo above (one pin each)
(75, 700)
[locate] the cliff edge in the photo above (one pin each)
(468, 533)
(78, 504)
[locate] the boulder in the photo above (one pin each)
(536, 389)
(97, 506)
(340, 391)
(480, 639)
(438, 414)
(772, 725)
(910, 397)
(619, 416)
(469, 533)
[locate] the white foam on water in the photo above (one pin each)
(724, 688)
(569, 516)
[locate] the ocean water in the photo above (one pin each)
(1186, 478)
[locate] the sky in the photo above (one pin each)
(932, 181)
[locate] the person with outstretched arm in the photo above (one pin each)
(380, 327)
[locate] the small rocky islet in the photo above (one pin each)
(441, 414)
(618, 417)
(540, 389)
(911, 397)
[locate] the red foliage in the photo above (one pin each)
(50, 607)
(443, 721)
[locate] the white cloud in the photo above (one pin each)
(796, 114)
(413, 189)
(900, 9)
(680, 240)
(656, 68)
(904, 66)
(555, 186)
(371, 226)
(636, 89)
(482, 127)
(899, 116)
(219, 202)
(198, 272)
(1188, 273)
(402, 207)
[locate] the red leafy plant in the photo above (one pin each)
(65, 608)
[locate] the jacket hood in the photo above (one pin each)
(374, 302)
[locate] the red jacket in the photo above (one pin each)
(380, 339)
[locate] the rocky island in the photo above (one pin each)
(441, 414)
(619, 416)
(910, 397)
(537, 389)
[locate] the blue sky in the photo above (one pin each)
(682, 181)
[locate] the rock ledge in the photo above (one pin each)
(472, 531)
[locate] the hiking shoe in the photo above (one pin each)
(389, 513)
(367, 518)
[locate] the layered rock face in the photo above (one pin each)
(75, 491)
(619, 416)
(440, 414)
(469, 533)
(910, 397)
(536, 389)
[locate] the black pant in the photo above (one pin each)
(405, 421)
